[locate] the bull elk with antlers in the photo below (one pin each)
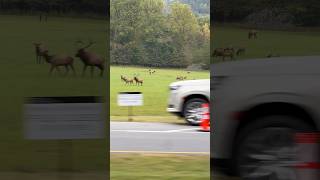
(90, 59)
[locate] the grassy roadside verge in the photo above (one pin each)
(159, 167)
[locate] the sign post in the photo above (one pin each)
(130, 113)
(130, 99)
(64, 119)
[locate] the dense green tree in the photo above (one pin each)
(304, 13)
(143, 33)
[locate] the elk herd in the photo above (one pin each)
(135, 80)
(228, 52)
(88, 58)
(231, 52)
(181, 78)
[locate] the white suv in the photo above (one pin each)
(187, 97)
(258, 107)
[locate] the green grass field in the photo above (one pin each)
(155, 89)
(281, 43)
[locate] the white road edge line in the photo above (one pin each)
(181, 130)
(165, 131)
(161, 152)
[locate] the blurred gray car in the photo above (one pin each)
(257, 106)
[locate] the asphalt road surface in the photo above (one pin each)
(158, 138)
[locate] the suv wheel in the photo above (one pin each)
(266, 148)
(193, 111)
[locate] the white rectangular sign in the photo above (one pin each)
(64, 118)
(130, 99)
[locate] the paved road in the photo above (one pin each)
(158, 137)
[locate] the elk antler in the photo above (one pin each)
(78, 43)
(89, 45)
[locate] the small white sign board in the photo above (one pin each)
(63, 118)
(130, 99)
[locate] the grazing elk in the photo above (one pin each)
(240, 51)
(253, 34)
(228, 53)
(129, 81)
(138, 81)
(90, 59)
(40, 51)
(229, 49)
(152, 71)
(224, 52)
(181, 78)
(218, 52)
(123, 78)
(59, 60)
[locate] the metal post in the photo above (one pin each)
(130, 113)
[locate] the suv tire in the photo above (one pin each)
(192, 110)
(266, 145)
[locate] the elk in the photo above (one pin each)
(218, 52)
(123, 78)
(181, 78)
(224, 52)
(40, 52)
(129, 81)
(253, 34)
(59, 60)
(240, 51)
(152, 71)
(138, 81)
(228, 53)
(90, 59)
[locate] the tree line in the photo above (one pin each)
(148, 33)
(57, 7)
(201, 7)
(294, 12)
